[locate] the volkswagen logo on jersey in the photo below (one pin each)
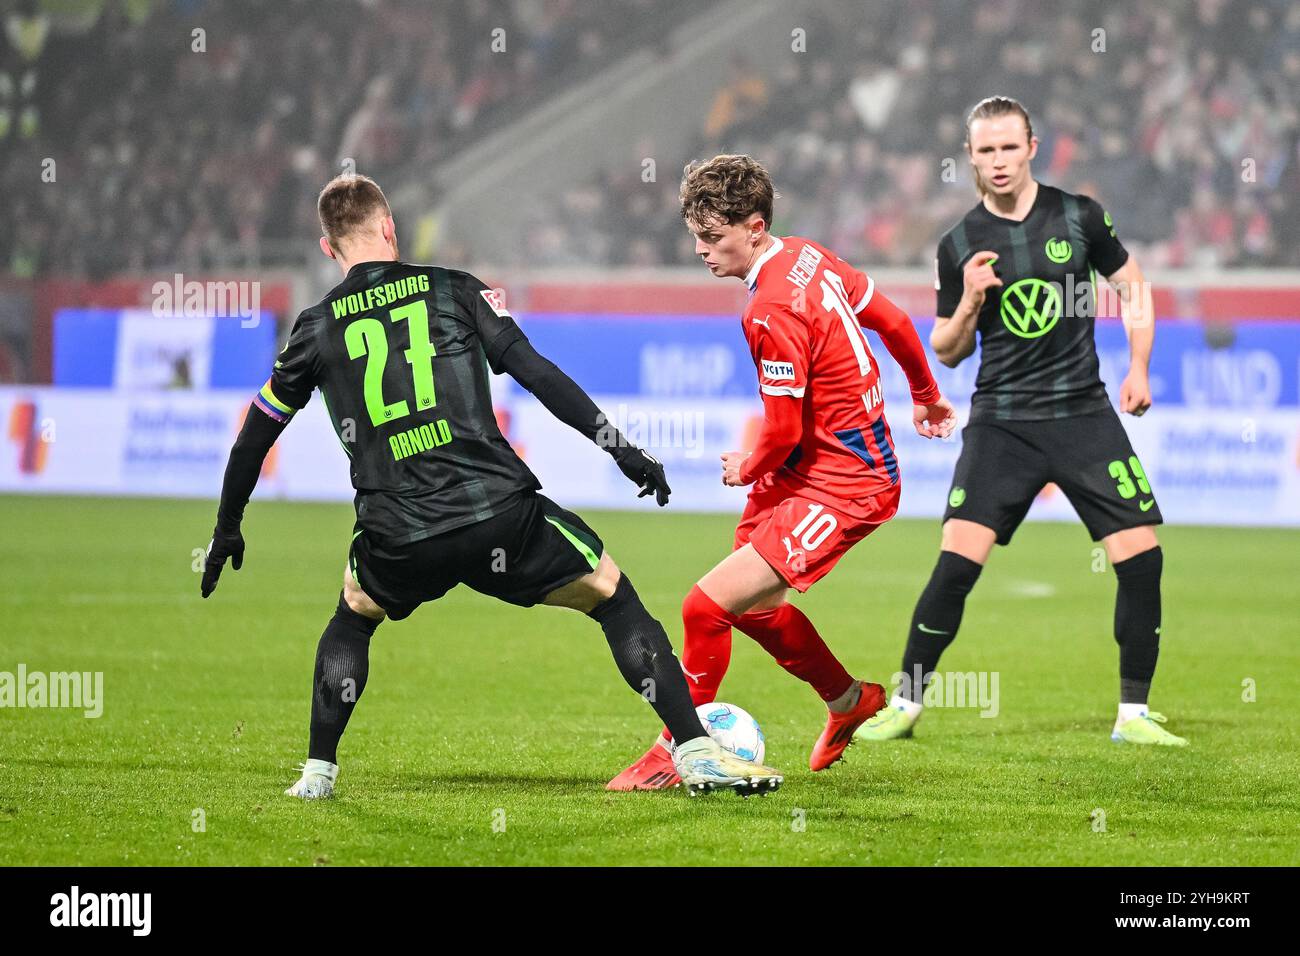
(1031, 307)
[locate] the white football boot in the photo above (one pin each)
(705, 766)
(316, 782)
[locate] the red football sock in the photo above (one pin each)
(787, 634)
(707, 649)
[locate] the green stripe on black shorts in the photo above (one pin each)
(520, 555)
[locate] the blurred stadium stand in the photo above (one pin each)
(172, 159)
(1186, 127)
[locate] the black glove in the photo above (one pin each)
(224, 544)
(644, 469)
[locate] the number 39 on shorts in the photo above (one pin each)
(1124, 476)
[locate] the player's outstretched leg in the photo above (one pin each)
(704, 662)
(935, 621)
(705, 656)
(1137, 631)
(342, 665)
(646, 660)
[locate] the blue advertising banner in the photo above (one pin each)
(1220, 442)
(137, 349)
(682, 356)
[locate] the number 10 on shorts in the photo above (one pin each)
(814, 528)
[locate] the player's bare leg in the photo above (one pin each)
(971, 540)
(1129, 543)
(1138, 561)
(358, 600)
(964, 550)
(589, 590)
(342, 666)
(743, 580)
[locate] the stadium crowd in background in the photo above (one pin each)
(291, 91)
(862, 133)
(1203, 173)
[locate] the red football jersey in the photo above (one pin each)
(804, 324)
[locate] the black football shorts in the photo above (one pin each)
(519, 556)
(1005, 464)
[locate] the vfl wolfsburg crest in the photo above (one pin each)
(1058, 250)
(1031, 307)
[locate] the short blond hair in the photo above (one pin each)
(348, 202)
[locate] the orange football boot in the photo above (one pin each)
(839, 727)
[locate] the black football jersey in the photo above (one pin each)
(1038, 357)
(401, 355)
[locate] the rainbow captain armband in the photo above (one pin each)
(267, 402)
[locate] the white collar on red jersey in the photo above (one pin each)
(751, 278)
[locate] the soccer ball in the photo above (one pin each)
(734, 729)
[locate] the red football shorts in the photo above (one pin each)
(803, 538)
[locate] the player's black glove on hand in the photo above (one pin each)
(644, 469)
(224, 544)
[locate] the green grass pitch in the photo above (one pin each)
(486, 732)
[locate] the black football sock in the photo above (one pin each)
(936, 619)
(646, 659)
(1137, 623)
(342, 665)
